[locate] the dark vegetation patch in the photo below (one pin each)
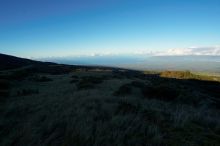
(74, 76)
(125, 107)
(53, 69)
(210, 87)
(25, 92)
(190, 92)
(119, 74)
(4, 88)
(125, 89)
(4, 84)
(92, 79)
(17, 74)
(89, 82)
(20, 74)
(138, 84)
(40, 78)
(191, 134)
(153, 116)
(160, 92)
(74, 81)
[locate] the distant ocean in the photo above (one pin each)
(209, 64)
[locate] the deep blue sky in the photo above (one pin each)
(40, 28)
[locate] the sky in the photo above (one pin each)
(45, 28)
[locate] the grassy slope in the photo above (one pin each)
(65, 106)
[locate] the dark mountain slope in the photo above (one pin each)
(12, 62)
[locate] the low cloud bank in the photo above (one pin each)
(190, 51)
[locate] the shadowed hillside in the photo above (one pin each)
(62, 105)
(11, 62)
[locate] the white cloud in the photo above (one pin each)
(191, 51)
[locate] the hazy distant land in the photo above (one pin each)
(197, 64)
